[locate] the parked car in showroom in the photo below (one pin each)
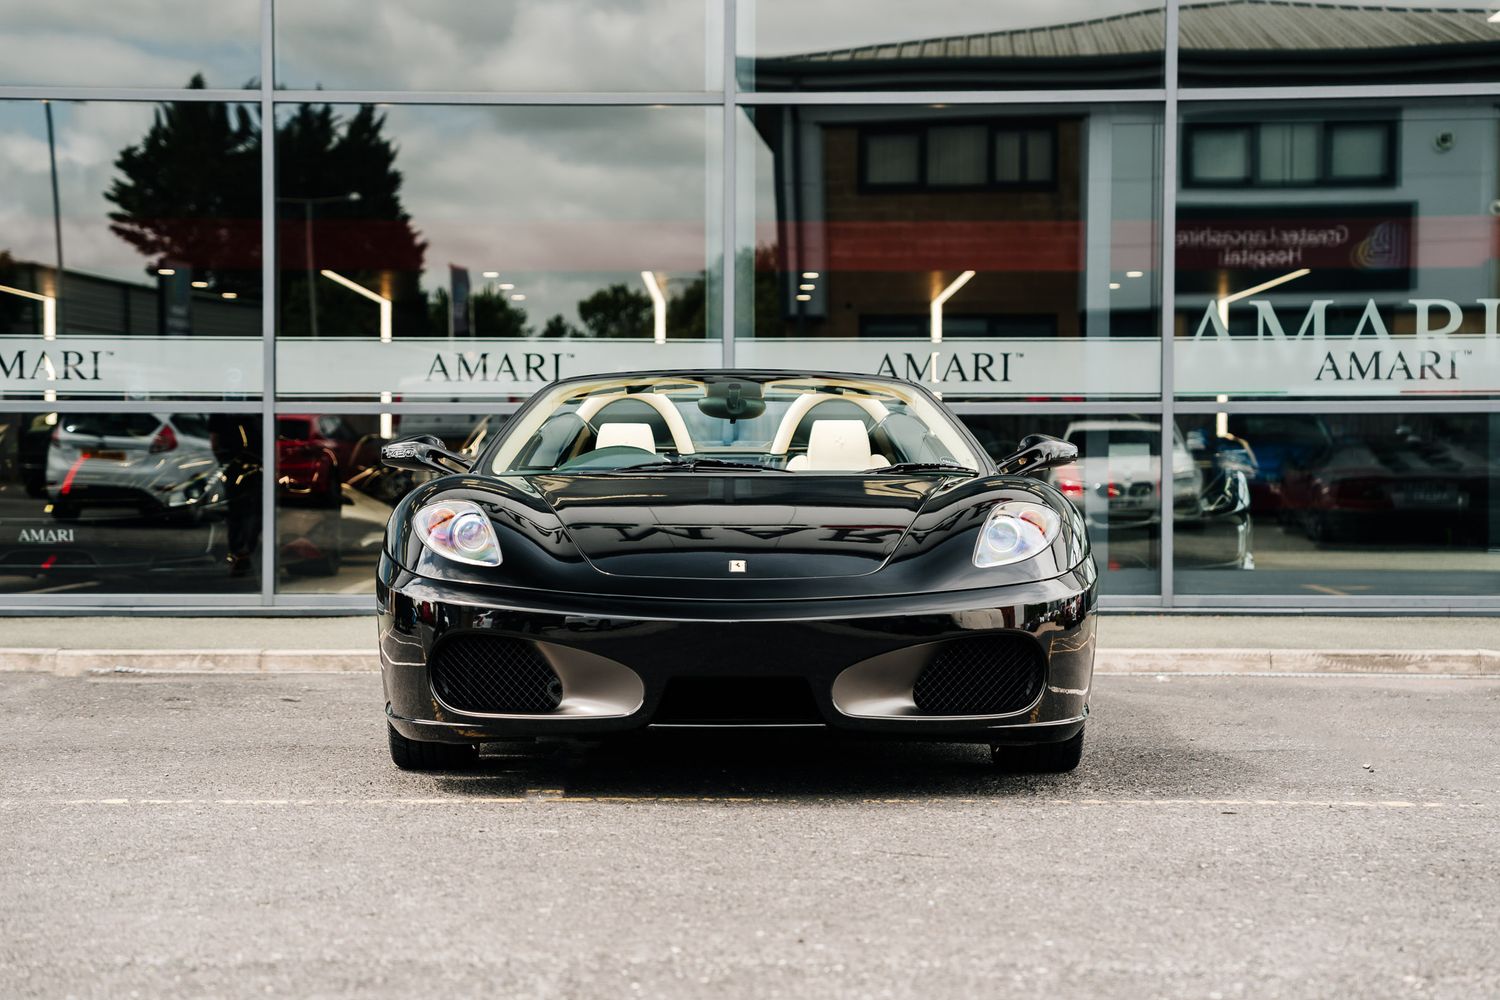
(1279, 442)
(1116, 482)
(762, 549)
(313, 454)
(159, 465)
(1371, 487)
(1126, 472)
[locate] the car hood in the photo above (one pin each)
(694, 524)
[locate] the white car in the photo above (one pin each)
(157, 464)
(1116, 477)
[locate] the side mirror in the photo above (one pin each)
(1037, 452)
(1227, 495)
(423, 454)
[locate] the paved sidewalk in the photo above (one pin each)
(1127, 644)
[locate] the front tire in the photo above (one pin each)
(1039, 758)
(415, 755)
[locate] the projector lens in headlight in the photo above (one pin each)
(458, 530)
(1016, 530)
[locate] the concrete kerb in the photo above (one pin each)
(81, 662)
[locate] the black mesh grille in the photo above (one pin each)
(985, 675)
(488, 673)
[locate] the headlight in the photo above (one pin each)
(458, 530)
(1015, 531)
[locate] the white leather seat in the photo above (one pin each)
(837, 446)
(625, 435)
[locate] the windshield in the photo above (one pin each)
(783, 424)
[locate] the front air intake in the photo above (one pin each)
(494, 675)
(982, 675)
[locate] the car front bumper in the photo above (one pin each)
(618, 657)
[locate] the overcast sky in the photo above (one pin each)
(529, 45)
(563, 199)
(522, 45)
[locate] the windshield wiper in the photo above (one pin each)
(691, 465)
(949, 467)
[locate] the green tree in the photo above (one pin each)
(687, 312)
(558, 327)
(336, 181)
(616, 311)
(490, 315)
(188, 194)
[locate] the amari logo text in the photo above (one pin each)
(45, 536)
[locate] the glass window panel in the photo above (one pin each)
(1293, 44)
(948, 44)
(119, 503)
(893, 159)
(1357, 152)
(1044, 290)
(503, 45)
(1219, 155)
(1039, 156)
(160, 43)
(143, 279)
(1010, 156)
(956, 155)
(452, 252)
(333, 496)
(1288, 153)
(1115, 484)
(1341, 505)
(1345, 287)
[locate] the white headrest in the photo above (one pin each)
(837, 446)
(627, 435)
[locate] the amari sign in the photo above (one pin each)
(1248, 347)
(80, 367)
(1412, 347)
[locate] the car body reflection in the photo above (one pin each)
(1369, 488)
(104, 498)
(1116, 484)
(160, 465)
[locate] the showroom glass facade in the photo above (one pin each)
(1243, 253)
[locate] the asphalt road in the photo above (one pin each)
(1225, 837)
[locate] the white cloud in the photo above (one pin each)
(523, 45)
(129, 43)
(553, 196)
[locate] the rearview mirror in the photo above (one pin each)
(425, 453)
(1035, 453)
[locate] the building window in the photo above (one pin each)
(1023, 155)
(956, 156)
(893, 159)
(959, 156)
(1290, 154)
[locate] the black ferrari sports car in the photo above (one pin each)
(736, 548)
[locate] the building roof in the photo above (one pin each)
(1214, 25)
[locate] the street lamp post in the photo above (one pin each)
(307, 207)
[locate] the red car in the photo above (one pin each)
(313, 454)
